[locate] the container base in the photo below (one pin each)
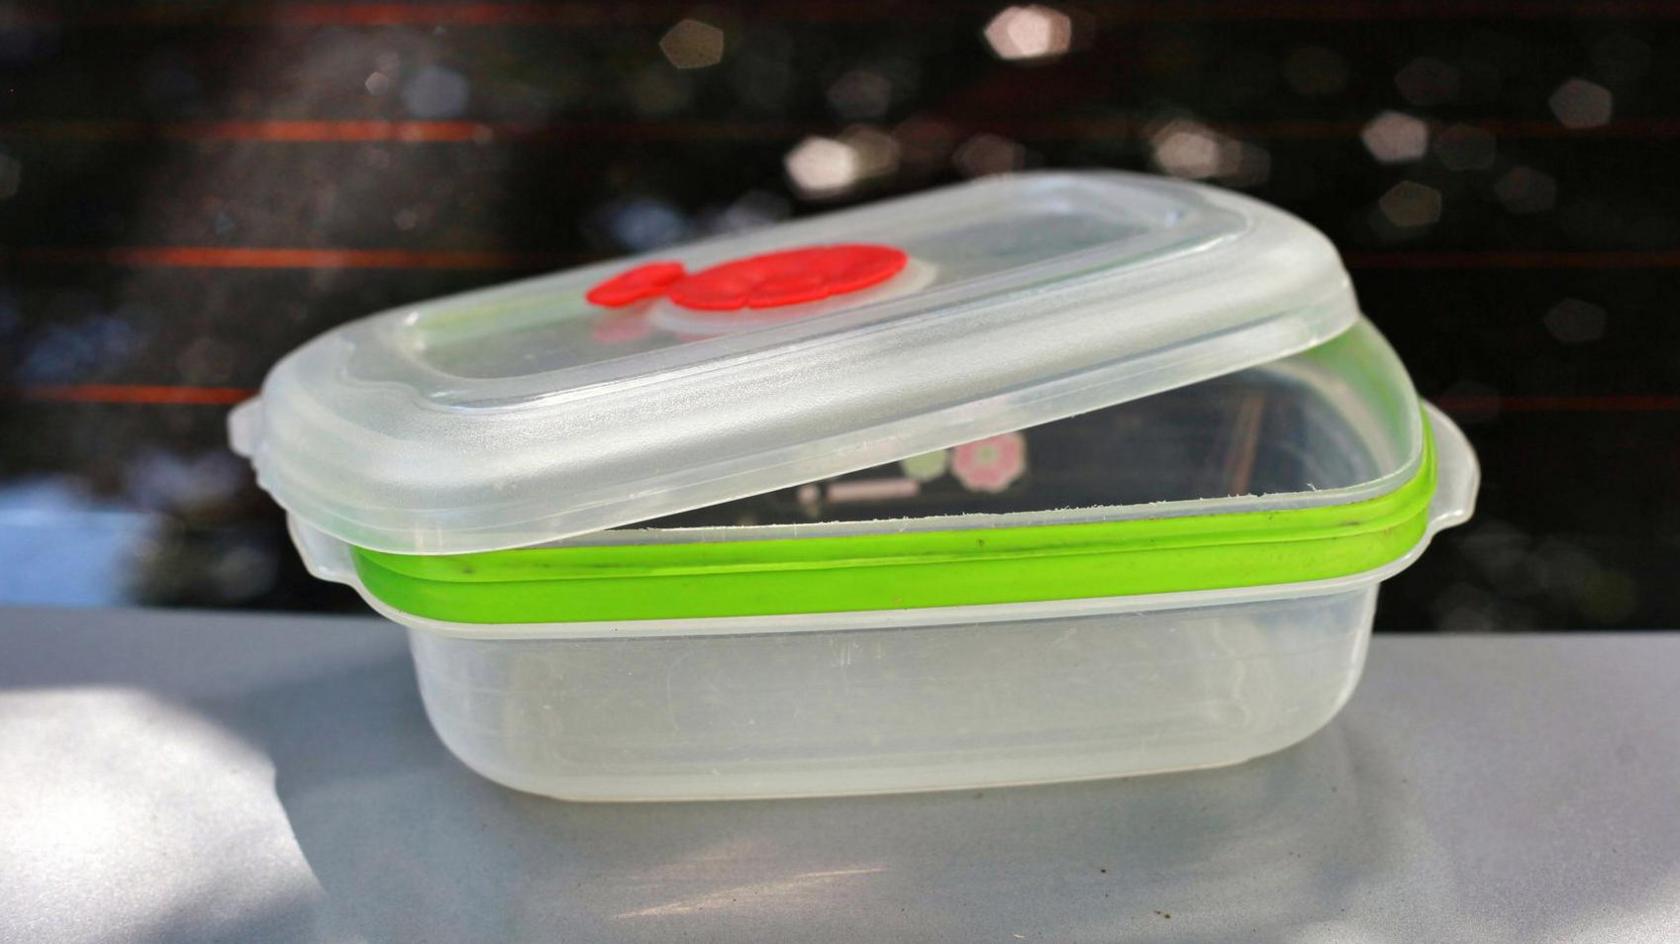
(963, 706)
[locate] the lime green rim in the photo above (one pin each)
(908, 569)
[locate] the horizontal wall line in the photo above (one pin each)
(581, 15)
(227, 257)
(325, 131)
(154, 394)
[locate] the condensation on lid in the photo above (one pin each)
(527, 413)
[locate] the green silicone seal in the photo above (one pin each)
(904, 570)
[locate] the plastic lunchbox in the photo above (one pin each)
(1039, 478)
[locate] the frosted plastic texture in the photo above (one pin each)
(895, 709)
(524, 414)
(938, 698)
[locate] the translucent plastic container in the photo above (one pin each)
(1080, 476)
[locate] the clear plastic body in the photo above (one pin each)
(896, 708)
(917, 699)
(1202, 353)
(951, 697)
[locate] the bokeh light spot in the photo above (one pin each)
(1620, 57)
(1579, 103)
(11, 176)
(860, 93)
(1526, 190)
(1465, 147)
(1573, 321)
(1186, 149)
(1030, 32)
(656, 91)
(436, 92)
(642, 223)
(986, 154)
(1410, 205)
(1395, 138)
(692, 44)
(1427, 81)
(877, 151)
(823, 167)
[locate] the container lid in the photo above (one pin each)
(614, 393)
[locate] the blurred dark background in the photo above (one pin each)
(188, 190)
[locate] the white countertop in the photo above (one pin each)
(193, 776)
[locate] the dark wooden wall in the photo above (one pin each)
(188, 190)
